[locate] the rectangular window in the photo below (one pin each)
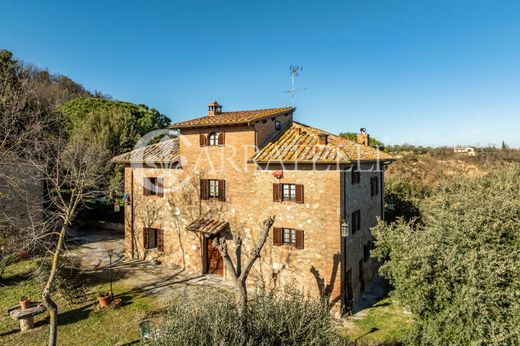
(153, 186)
(366, 251)
(374, 186)
(356, 221)
(150, 238)
(153, 239)
(289, 236)
(356, 177)
(213, 188)
(288, 192)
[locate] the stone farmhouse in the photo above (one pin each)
(228, 171)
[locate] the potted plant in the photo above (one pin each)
(116, 303)
(104, 298)
(25, 302)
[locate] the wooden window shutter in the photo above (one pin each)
(204, 192)
(277, 236)
(160, 240)
(299, 193)
(221, 138)
(222, 190)
(203, 140)
(145, 238)
(160, 187)
(276, 192)
(299, 239)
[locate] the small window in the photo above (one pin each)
(150, 238)
(153, 239)
(153, 186)
(213, 188)
(356, 221)
(277, 125)
(374, 186)
(366, 251)
(288, 192)
(355, 175)
(213, 139)
(289, 236)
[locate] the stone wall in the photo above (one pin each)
(249, 201)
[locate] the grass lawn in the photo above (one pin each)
(79, 324)
(85, 324)
(382, 324)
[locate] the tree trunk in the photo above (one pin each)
(47, 300)
(241, 298)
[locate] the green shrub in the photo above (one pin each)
(457, 269)
(284, 318)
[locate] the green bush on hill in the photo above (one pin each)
(118, 124)
(457, 269)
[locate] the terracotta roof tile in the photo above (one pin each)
(165, 151)
(207, 226)
(232, 118)
(300, 143)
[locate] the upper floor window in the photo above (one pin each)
(288, 236)
(213, 189)
(356, 177)
(212, 139)
(277, 125)
(356, 221)
(153, 186)
(288, 192)
(366, 251)
(374, 186)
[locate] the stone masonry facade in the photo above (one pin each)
(331, 197)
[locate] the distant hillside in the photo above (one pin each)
(414, 177)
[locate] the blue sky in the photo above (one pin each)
(439, 72)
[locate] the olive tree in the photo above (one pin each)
(458, 269)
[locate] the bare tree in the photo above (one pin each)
(72, 171)
(238, 275)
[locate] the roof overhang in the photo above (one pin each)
(207, 227)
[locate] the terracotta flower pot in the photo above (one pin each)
(105, 300)
(116, 303)
(25, 303)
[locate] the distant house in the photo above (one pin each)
(228, 171)
(464, 150)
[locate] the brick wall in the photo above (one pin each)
(249, 201)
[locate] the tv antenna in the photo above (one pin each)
(295, 72)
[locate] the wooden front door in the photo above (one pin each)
(215, 264)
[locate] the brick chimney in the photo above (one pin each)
(363, 138)
(214, 108)
(323, 138)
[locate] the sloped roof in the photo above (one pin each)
(207, 226)
(232, 118)
(300, 143)
(165, 151)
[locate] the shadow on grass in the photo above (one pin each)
(75, 315)
(376, 291)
